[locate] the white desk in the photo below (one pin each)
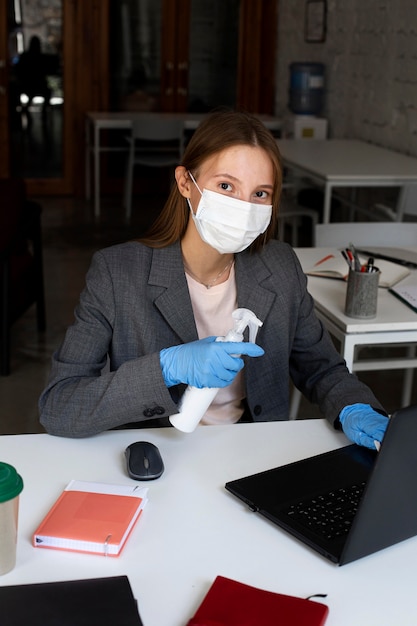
(97, 121)
(395, 322)
(193, 530)
(347, 163)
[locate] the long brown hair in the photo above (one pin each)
(220, 130)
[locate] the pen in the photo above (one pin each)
(370, 265)
(350, 257)
(357, 263)
(347, 258)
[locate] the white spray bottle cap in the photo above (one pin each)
(243, 318)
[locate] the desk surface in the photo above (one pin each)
(193, 530)
(111, 119)
(329, 298)
(348, 161)
(124, 119)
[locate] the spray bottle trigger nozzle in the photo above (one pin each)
(244, 318)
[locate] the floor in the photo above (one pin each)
(36, 142)
(70, 236)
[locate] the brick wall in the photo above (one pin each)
(370, 55)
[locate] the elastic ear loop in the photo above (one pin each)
(195, 182)
(188, 199)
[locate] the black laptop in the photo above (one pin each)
(347, 503)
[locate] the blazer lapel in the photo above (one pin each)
(169, 289)
(252, 278)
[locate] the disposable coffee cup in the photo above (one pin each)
(362, 294)
(11, 484)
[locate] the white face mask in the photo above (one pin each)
(227, 224)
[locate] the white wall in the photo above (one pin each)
(370, 55)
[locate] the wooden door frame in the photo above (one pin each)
(257, 49)
(174, 54)
(87, 83)
(4, 93)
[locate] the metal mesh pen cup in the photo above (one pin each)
(362, 294)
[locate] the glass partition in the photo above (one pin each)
(36, 92)
(135, 55)
(148, 61)
(213, 54)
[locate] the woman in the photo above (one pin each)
(153, 307)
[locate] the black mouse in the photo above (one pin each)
(144, 461)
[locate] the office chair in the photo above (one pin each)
(21, 265)
(152, 143)
(391, 234)
(290, 214)
(406, 204)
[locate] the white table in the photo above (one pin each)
(96, 122)
(351, 163)
(395, 322)
(193, 530)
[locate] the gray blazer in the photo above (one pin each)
(136, 302)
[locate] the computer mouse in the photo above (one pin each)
(144, 461)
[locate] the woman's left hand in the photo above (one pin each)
(363, 425)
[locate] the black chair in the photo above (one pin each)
(21, 264)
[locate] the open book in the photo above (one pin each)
(91, 517)
(335, 266)
(407, 292)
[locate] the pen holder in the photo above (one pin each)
(362, 294)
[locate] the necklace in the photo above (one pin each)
(212, 282)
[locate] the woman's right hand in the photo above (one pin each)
(206, 362)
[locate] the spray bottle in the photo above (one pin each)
(195, 402)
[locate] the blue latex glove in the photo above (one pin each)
(205, 363)
(363, 425)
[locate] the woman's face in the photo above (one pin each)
(243, 172)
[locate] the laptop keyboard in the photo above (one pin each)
(330, 514)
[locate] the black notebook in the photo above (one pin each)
(101, 601)
(347, 503)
